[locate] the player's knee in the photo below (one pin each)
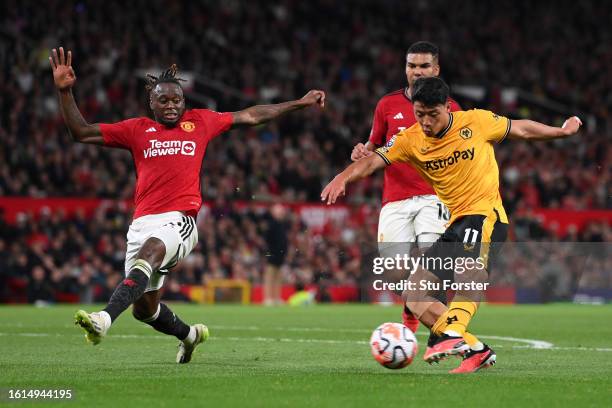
(152, 251)
(145, 314)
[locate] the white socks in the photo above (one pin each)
(106, 318)
(191, 337)
(478, 346)
(452, 333)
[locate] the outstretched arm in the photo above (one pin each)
(256, 115)
(357, 170)
(64, 78)
(531, 130)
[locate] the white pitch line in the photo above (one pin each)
(291, 329)
(529, 346)
(289, 340)
(231, 338)
(362, 342)
(537, 344)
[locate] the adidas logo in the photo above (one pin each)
(399, 116)
(151, 129)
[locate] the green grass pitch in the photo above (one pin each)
(316, 357)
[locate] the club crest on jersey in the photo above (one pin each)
(465, 133)
(187, 126)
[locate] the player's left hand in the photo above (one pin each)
(335, 189)
(359, 152)
(314, 96)
(571, 125)
(63, 74)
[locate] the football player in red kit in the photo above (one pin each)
(168, 153)
(411, 212)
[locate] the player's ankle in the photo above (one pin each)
(191, 337)
(106, 318)
(452, 333)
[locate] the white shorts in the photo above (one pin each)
(405, 220)
(177, 231)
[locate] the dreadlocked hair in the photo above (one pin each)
(168, 75)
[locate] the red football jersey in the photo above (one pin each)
(393, 114)
(168, 160)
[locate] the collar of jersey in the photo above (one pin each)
(406, 94)
(444, 131)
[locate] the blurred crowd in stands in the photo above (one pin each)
(277, 50)
(84, 257)
(270, 51)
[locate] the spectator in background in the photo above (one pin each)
(301, 297)
(106, 290)
(352, 59)
(276, 230)
(313, 258)
(40, 291)
(173, 292)
(4, 266)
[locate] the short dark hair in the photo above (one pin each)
(167, 76)
(423, 47)
(431, 91)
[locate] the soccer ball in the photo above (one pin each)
(393, 345)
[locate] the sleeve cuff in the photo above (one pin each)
(508, 127)
(229, 121)
(382, 156)
(106, 137)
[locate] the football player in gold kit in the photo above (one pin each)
(454, 153)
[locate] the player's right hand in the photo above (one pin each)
(572, 125)
(314, 97)
(359, 152)
(63, 74)
(335, 189)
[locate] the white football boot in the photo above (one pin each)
(186, 348)
(94, 325)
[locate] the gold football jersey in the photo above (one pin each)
(459, 162)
